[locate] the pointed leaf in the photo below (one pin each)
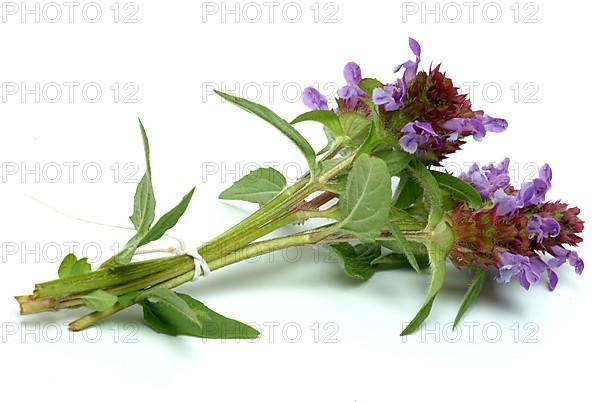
(365, 204)
(144, 201)
(438, 250)
(259, 186)
(401, 245)
(168, 220)
(166, 312)
(471, 295)
(286, 128)
(180, 314)
(458, 188)
(216, 326)
(327, 118)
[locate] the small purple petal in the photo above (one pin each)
(506, 204)
(381, 96)
(550, 227)
(411, 68)
(349, 92)
(545, 174)
(426, 127)
(415, 47)
(493, 124)
(534, 226)
(552, 279)
(523, 280)
(352, 73)
(410, 142)
(314, 99)
(576, 262)
(478, 129)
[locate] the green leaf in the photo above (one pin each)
(407, 192)
(369, 142)
(437, 249)
(179, 314)
(401, 245)
(286, 128)
(397, 160)
(128, 299)
(168, 220)
(405, 219)
(70, 266)
(216, 326)
(369, 84)
(166, 312)
(458, 188)
(356, 260)
(356, 127)
(399, 261)
(260, 186)
(432, 194)
(100, 300)
(144, 202)
(471, 295)
(365, 205)
(327, 118)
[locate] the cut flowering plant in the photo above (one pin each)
(420, 220)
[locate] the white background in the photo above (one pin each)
(171, 56)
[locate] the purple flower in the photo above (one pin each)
(314, 99)
(541, 228)
(415, 134)
(410, 66)
(492, 178)
(351, 91)
(534, 192)
(493, 124)
(478, 126)
(505, 204)
(562, 255)
(458, 126)
(545, 173)
(528, 270)
(390, 96)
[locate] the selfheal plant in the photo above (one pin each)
(406, 106)
(426, 217)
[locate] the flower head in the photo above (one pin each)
(517, 229)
